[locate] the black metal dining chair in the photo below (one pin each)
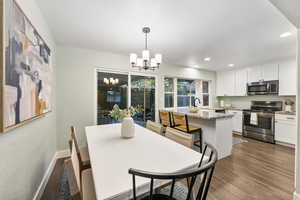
(204, 172)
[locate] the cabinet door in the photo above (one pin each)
(241, 82)
(229, 80)
(288, 78)
(270, 72)
(225, 83)
(254, 74)
(237, 120)
(285, 132)
(220, 83)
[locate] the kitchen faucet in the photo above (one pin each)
(197, 99)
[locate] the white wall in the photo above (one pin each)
(26, 152)
(76, 91)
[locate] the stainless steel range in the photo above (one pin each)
(259, 121)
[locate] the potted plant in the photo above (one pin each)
(125, 115)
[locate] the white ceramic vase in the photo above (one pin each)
(127, 129)
(288, 108)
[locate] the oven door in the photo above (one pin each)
(257, 88)
(264, 130)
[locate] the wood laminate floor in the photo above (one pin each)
(255, 171)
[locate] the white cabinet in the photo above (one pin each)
(255, 74)
(285, 129)
(225, 83)
(241, 80)
(270, 72)
(237, 120)
(288, 78)
(267, 72)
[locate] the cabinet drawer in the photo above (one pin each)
(291, 118)
(286, 132)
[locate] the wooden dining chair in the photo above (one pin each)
(83, 153)
(165, 118)
(181, 123)
(155, 127)
(180, 137)
(81, 184)
(203, 174)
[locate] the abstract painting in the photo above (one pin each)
(27, 70)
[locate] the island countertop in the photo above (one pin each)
(201, 114)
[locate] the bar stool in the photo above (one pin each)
(165, 119)
(181, 123)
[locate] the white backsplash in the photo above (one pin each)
(245, 102)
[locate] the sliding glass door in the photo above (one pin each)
(112, 89)
(125, 89)
(143, 93)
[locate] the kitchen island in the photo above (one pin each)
(216, 128)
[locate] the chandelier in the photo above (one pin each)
(145, 62)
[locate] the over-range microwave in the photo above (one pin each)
(263, 88)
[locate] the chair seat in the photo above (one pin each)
(88, 187)
(84, 153)
(158, 197)
(184, 128)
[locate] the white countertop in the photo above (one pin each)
(201, 114)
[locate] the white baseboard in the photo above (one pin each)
(42, 186)
(296, 196)
(45, 179)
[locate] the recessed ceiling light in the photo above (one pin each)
(207, 59)
(286, 34)
(196, 66)
(231, 65)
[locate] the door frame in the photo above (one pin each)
(125, 72)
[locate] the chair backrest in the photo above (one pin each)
(180, 137)
(179, 119)
(73, 173)
(204, 170)
(155, 127)
(165, 117)
(76, 145)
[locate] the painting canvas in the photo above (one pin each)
(27, 81)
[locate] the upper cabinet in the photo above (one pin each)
(232, 83)
(225, 83)
(267, 72)
(270, 72)
(255, 74)
(288, 78)
(241, 80)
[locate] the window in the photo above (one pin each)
(205, 93)
(169, 92)
(186, 92)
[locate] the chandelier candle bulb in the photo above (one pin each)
(139, 62)
(146, 55)
(158, 58)
(153, 62)
(133, 58)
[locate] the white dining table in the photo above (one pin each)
(111, 156)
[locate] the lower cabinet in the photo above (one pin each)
(237, 120)
(285, 129)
